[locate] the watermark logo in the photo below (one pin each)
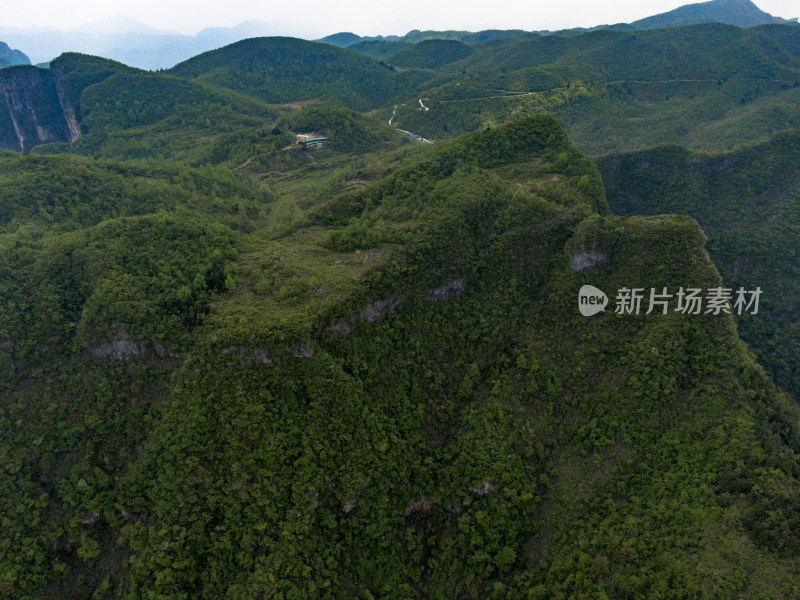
(689, 301)
(591, 300)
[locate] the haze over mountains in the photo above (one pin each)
(139, 45)
(136, 44)
(741, 13)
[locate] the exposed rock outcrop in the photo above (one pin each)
(369, 314)
(32, 111)
(716, 167)
(449, 291)
(375, 310)
(587, 259)
(304, 351)
(250, 356)
(124, 348)
(263, 356)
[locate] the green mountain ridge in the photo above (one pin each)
(747, 202)
(742, 83)
(342, 39)
(393, 397)
(351, 40)
(279, 70)
(741, 13)
(431, 54)
(93, 106)
(379, 48)
(625, 90)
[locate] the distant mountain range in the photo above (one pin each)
(741, 13)
(141, 46)
(415, 36)
(137, 44)
(9, 57)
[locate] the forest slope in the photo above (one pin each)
(395, 398)
(748, 203)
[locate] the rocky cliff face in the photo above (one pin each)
(34, 109)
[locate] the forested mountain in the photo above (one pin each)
(611, 90)
(9, 57)
(31, 109)
(742, 13)
(379, 48)
(282, 70)
(748, 203)
(352, 41)
(343, 39)
(41, 106)
(739, 13)
(374, 402)
(431, 54)
(708, 86)
(136, 44)
(236, 366)
(141, 46)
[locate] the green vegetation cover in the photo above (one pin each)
(378, 48)
(748, 203)
(711, 87)
(394, 396)
(430, 54)
(236, 366)
(282, 70)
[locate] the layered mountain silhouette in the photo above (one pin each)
(136, 44)
(141, 46)
(741, 13)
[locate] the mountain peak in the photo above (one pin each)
(741, 13)
(10, 57)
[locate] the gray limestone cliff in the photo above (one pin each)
(41, 106)
(32, 111)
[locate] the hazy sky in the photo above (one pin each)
(365, 17)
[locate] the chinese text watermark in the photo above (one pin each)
(687, 301)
